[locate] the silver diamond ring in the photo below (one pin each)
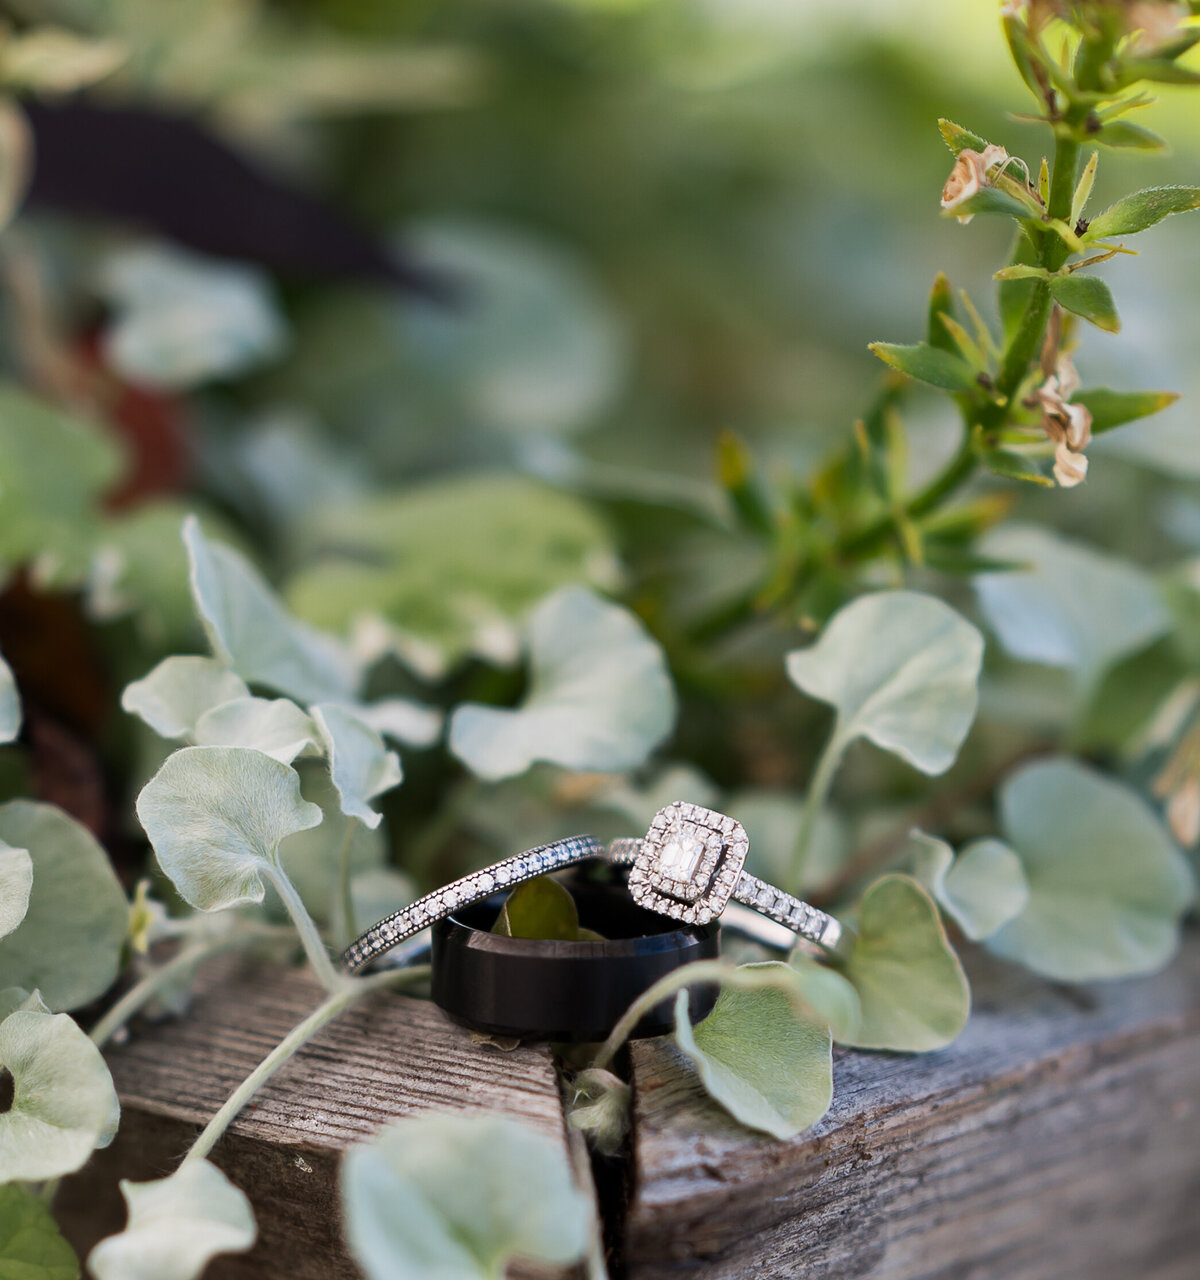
(418, 916)
(690, 864)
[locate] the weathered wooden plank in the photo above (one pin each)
(393, 1056)
(1059, 1137)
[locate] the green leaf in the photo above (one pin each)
(959, 139)
(1021, 271)
(216, 816)
(901, 669)
(1015, 466)
(16, 881)
(63, 1097)
(251, 631)
(927, 364)
(1107, 886)
(10, 705)
(1013, 293)
(1142, 209)
(539, 908)
(989, 200)
(1157, 70)
(1114, 408)
(448, 568)
(179, 320)
(1089, 297)
(982, 889)
(599, 1107)
(941, 303)
(31, 1245)
(173, 697)
(459, 1197)
(52, 60)
(829, 994)
(274, 726)
(14, 998)
(913, 991)
(1122, 133)
(599, 698)
(1083, 189)
(359, 764)
(1073, 607)
(761, 1054)
(176, 1226)
(69, 943)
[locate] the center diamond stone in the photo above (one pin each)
(680, 857)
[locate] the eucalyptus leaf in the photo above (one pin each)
(1089, 297)
(458, 1197)
(1073, 607)
(829, 994)
(900, 669)
(176, 1226)
(1107, 885)
(216, 817)
(600, 697)
(175, 694)
(360, 764)
(911, 986)
(10, 705)
(982, 889)
(251, 631)
(761, 1054)
(275, 726)
(539, 908)
(928, 364)
(1141, 209)
(63, 1096)
(31, 1245)
(16, 882)
(68, 945)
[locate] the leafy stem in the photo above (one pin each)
(344, 898)
(814, 802)
(310, 935)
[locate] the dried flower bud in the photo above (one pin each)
(1068, 425)
(971, 173)
(1154, 24)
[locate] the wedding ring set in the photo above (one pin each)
(689, 867)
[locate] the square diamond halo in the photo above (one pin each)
(689, 863)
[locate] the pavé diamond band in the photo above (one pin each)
(690, 864)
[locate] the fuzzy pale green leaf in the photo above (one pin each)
(275, 726)
(1107, 886)
(900, 669)
(63, 1096)
(31, 1245)
(982, 889)
(829, 994)
(599, 1107)
(360, 764)
(216, 817)
(10, 705)
(1142, 209)
(911, 986)
(16, 882)
(600, 697)
(68, 945)
(174, 695)
(761, 1054)
(458, 1196)
(177, 1224)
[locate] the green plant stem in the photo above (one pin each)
(350, 991)
(344, 897)
(818, 793)
(310, 936)
(188, 957)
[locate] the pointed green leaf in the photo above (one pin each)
(1142, 209)
(16, 881)
(274, 726)
(982, 889)
(941, 303)
(927, 364)
(68, 945)
(1107, 886)
(63, 1096)
(1158, 71)
(1020, 271)
(539, 908)
(600, 697)
(10, 704)
(31, 1245)
(176, 1226)
(761, 1054)
(251, 631)
(460, 1196)
(1114, 408)
(173, 697)
(1089, 297)
(989, 200)
(1083, 190)
(913, 990)
(1124, 134)
(913, 695)
(959, 139)
(216, 816)
(1015, 466)
(360, 764)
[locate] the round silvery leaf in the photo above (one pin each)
(982, 889)
(274, 726)
(173, 697)
(899, 668)
(829, 994)
(459, 1196)
(761, 1054)
(63, 1097)
(68, 944)
(600, 697)
(360, 764)
(14, 998)
(176, 1226)
(216, 816)
(1107, 885)
(16, 881)
(910, 984)
(10, 704)
(31, 1246)
(412, 723)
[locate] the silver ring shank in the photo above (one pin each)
(420, 914)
